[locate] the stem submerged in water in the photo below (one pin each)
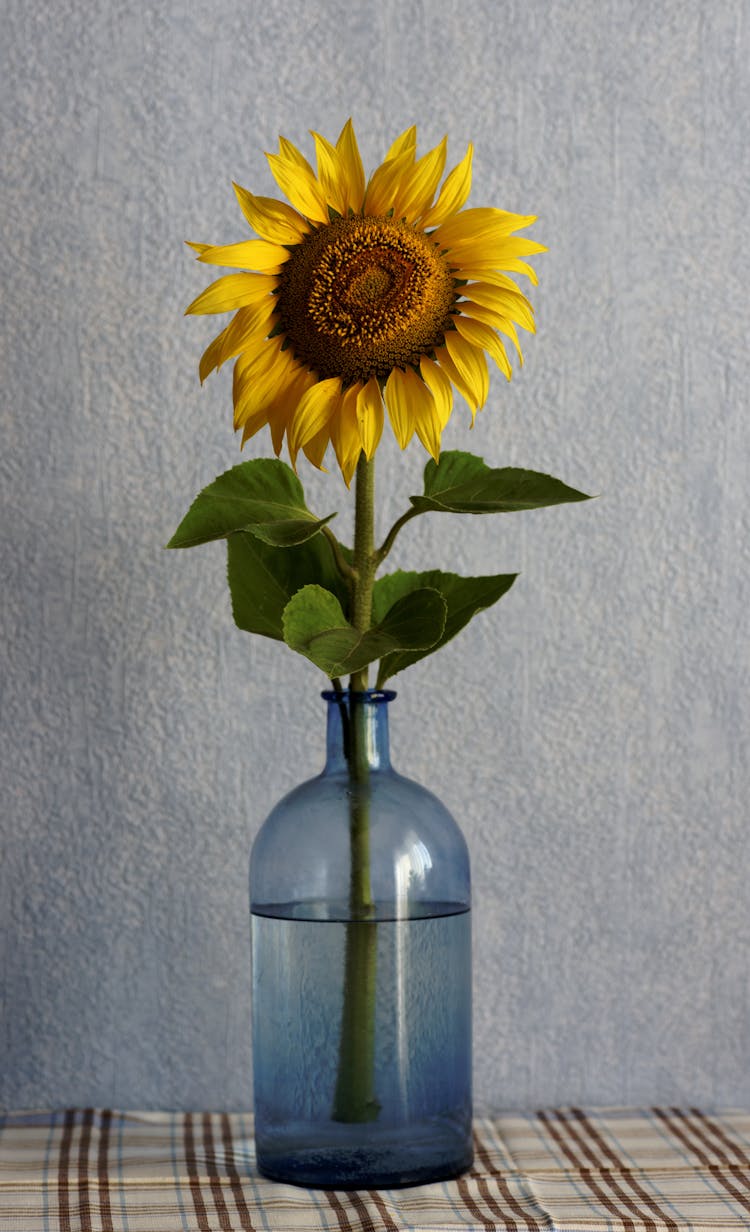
(355, 1099)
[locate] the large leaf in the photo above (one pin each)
(263, 496)
(464, 597)
(315, 626)
(462, 483)
(262, 579)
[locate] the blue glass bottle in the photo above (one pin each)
(360, 898)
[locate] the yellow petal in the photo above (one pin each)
(508, 304)
(385, 184)
(510, 265)
(370, 416)
(257, 362)
(351, 163)
(275, 408)
(299, 380)
(509, 329)
(449, 368)
(211, 357)
(250, 327)
(479, 312)
(253, 403)
(486, 254)
(251, 425)
(199, 248)
(481, 335)
(247, 326)
(453, 194)
(345, 434)
(485, 224)
(248, 255)
(244, 362)
(315, 449)
(425, 414)
(486, 292)
(348, 469)
(273, 401)
(312, 413)
(259, 286)
(418, 187)
(518, 308)
(273, 220)
(300, 186)
(330, 173)
(469, 365)
(227, 293)
(257, 387)
(400, 408)
(406, 143)
(440, 388)
(291, 154)
(495, 319)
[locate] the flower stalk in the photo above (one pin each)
(355, 1098)
(365, 556)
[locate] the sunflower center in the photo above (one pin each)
(362, 296)
(370, 286)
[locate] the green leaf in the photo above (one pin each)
(462, 483)
(262, 579)
(464, 597)
(263, 496)
(316, 627)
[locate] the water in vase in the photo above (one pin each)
(419, 1126)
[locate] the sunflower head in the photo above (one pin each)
(361, 295)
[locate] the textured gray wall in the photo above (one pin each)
(590, 733)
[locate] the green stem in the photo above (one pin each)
(365, 557)
(365, 564)
(390, 538)
(340, 561)
(355, 1099)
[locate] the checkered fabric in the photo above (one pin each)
(561, 1170)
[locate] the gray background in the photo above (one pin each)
(589, 733)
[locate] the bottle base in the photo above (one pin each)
(359, 1169)
(334, 1155)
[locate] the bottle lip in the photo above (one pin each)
(376, 697)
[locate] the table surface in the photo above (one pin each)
(560, 1170)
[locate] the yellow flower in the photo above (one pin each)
(364, 293)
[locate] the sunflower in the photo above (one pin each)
(364, 294)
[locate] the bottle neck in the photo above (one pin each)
(357, 735)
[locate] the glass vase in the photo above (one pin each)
(361, 928)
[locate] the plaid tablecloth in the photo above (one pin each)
(561, 1170)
